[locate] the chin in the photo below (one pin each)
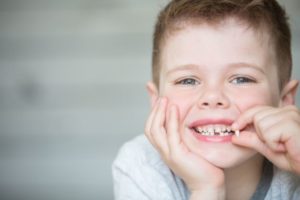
(227, 161)
(222, 155)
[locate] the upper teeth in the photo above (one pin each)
(212, 130)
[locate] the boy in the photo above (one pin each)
(223, 123)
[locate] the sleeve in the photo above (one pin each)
(285, 185)
(296, 194)
(140, 174)
(126, 187)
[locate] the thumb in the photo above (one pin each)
(248, 139)
(252, 141)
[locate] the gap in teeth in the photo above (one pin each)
(215, 130)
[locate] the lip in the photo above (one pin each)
(219, 139)
(216, 139)
(204, 122)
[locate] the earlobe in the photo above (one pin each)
(153, 92)
(288, 94)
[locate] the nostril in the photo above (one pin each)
(208, 104)
(205, 104)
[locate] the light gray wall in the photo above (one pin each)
(72, 90)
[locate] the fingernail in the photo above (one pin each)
(235, 126)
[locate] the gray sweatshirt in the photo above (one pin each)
(140, 174)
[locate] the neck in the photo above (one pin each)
(241, 181)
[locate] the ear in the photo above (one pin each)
(288, 94)
(153, 92)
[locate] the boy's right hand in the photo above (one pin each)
(202, 178)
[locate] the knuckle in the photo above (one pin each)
(257, 118)
(266, 133)
(272, 145)
(268, 137)
(153, 130)
(263, 129)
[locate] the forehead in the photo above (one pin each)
(216, 44)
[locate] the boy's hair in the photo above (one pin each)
(263, 15)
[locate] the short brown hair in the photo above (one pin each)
(261, 14)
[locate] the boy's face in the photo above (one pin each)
(213, 74)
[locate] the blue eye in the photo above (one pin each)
(242, 80)
(187, 81)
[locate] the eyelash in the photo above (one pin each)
(236, 80)
(242, 80)
(187, 81)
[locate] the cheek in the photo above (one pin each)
(251, 99)
(183, 104)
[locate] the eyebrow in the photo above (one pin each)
(248, 65)
(231, 65)
(184, 67)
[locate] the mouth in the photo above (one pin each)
(215, 130)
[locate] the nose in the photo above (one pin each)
(213, 98)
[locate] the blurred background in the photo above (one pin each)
(72, 91)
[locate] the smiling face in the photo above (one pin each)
(213, 74)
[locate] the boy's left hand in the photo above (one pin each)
(276, 134)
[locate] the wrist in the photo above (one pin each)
(208, 193)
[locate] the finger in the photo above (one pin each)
(173, 129)
(279, 133)
(248, 117)
(252, 141)
(150, 121)
(275, 127)
(278, 158)
(248, 139)
(157, 130)
(268, 123)
(265, 120)
(255, 117)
